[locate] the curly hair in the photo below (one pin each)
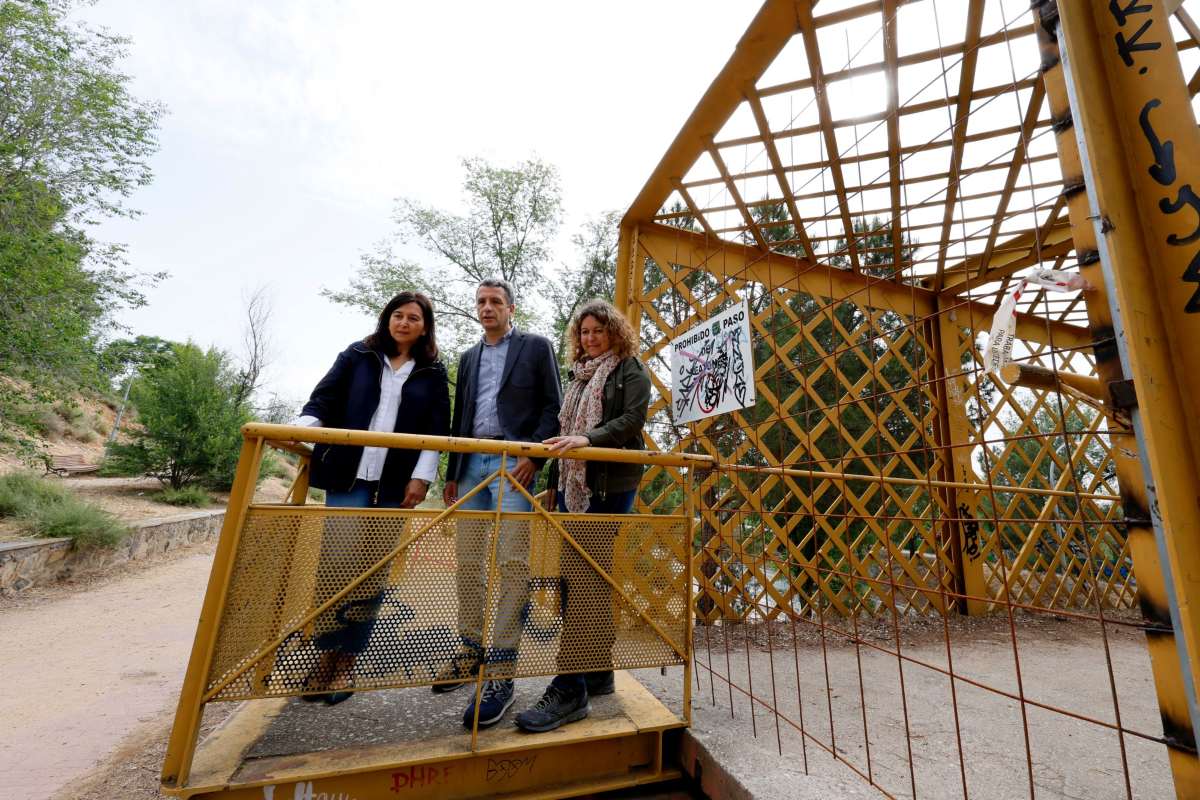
(622, 339)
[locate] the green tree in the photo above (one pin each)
(775, 223)
(512, 214)
(74, 144)
(875, 254)
(121, 358)
(593, 274)
(68, 123)
(190, 420)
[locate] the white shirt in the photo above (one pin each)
(370, 466)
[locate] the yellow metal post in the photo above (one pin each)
(1139, 154)
(182, 743)
(962, 499)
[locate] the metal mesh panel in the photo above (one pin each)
(519, 585)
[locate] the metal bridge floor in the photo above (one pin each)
(411, 743)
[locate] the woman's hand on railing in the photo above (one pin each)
(414, 493)
(561, 444)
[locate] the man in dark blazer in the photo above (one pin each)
(507, 388)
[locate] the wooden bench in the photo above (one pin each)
(69, 464)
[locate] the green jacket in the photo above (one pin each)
(626, 399)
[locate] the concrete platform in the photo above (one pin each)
(411, 743)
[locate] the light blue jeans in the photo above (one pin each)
(512, 564)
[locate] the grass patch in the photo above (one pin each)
(49, 510)
(193, 496)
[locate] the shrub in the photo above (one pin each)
(194, 496)
(82, 432)
(190, 421)
(114, 468)
(69, 411)
(20, 492)
(50, 510)
(316, 495)
(85, 524)
(49, 422)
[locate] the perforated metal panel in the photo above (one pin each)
(298, 620)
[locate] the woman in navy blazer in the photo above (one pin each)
(392, 381)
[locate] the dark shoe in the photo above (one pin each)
(599, 683)
(315, 698)
(556, 707)
(462, 667)
(495, 699)
(333, 698)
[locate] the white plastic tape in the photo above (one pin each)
(1004, 328)
(1056, 280)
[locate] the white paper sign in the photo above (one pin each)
(712, 367)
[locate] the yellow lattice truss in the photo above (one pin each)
(872, 177)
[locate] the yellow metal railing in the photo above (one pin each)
(291, 582)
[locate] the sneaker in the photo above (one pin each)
(599, 683)
(556, 708)
(495, 699)
(461, 668)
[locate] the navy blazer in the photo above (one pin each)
(347, 398)
(528, 399)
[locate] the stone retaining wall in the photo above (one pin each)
(38, 562)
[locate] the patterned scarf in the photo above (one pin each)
(582, 410)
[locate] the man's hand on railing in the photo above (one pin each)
(524, 471)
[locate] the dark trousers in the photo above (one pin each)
(347, 549)
(588, 634)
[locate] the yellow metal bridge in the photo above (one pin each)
(881, 182)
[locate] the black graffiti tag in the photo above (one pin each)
(503, 769)
(970, 533)
(1163, 169)
(1127, 46)
(1121, 14)
(1164, 173)
(1186, 197)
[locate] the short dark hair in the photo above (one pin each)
(500, 283)
(425, 349)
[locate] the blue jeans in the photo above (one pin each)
(360, 495)
(587, 619)
(348, 550)
(472, 545)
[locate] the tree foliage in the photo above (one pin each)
(74, 144)
(68, 123)
(190, 419)
(512, 214)
(592, 274)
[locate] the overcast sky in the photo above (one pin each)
(294, 125)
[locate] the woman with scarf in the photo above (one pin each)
(605, 405)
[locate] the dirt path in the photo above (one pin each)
(86, 671)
